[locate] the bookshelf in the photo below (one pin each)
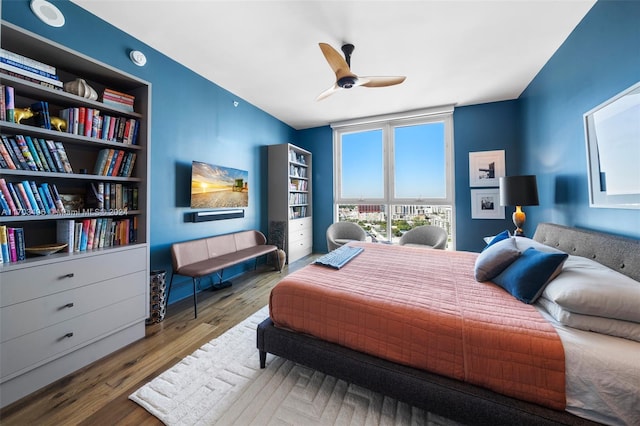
(63, 311)
(290, 197)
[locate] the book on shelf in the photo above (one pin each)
(6, 209)
(51, 164)
(3, 107)
(15, 153)
(82, 114)
(8, 198)
(77, 236)
(130, 163)
(91, 233)
(45, 200)
(16, 71)
(63, 157)
(17, 199)
(25, 60)
(21, 253)
(55, 155)
(115, 163)
(26, 153)
(36, 195)
(6, 155)
(107, 164)
(85, 234)
(65, 233)
(9, 103)
(98, 231)
(4, 244)
(96, 125)
(55, 204)
(32, 70)
(117, 99)
(41, 116)
(101, 160)
(29, 203)
(11, 243)
(34, 153)
(88, 121)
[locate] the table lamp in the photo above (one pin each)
(518, 191)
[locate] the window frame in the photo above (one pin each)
(387, 123)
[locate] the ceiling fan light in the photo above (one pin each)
(347, 82)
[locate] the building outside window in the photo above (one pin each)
(394, 173)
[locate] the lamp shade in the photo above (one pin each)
(518, 191)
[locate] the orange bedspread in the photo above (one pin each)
(423, 308)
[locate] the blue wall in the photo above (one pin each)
(192, 119)
(319, 142)
(597, 61)
(486, 127)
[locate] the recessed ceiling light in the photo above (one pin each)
(138, 58)
(47, 12)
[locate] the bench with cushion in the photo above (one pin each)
(205, 256)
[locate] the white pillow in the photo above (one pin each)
(589, 288)
(612, 327)
(495, 259)
(524, 243)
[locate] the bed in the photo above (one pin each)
(556, 388)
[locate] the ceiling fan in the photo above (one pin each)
(345, 79)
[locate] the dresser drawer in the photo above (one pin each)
(26, 317)
(300, 234)
(302, 223)
(19, 285)
(34, 349)
(299, 249)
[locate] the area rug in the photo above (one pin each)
(222, 384)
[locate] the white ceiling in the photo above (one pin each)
(266, 52)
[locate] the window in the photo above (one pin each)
(394, 173)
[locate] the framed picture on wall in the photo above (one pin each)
(486, 168)
(485, 204)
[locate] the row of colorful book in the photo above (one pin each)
(93, 123)
(28, 69)
(12, 248)
(114, 162)
(22, 152)
(110, 196)
(95, 233)
(27, 198)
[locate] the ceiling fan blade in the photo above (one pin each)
(331, 90)
(337, 63)
(382, 81)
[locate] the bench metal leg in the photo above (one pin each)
(195, 298)
(166, 306)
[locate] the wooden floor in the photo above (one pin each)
(97, 394)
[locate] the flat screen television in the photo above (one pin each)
(215, 187)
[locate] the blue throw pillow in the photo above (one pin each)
(495, 258)
(528, 275)
(501, 236)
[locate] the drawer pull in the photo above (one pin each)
(68, 305)
(68, 335)
(69, 275)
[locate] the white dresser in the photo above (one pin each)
(60, 314)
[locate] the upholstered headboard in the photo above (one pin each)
(618, 253)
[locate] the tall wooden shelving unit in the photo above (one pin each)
(63, 311)
(290, 198)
